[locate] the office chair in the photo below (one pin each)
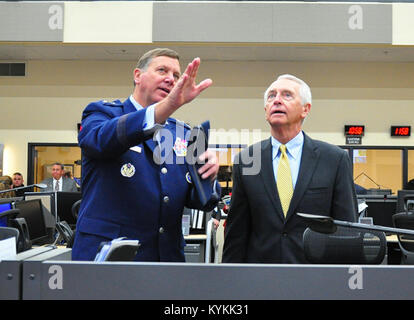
(7, 232)
(344, 246)
(405, 220)
(75, 209)
(67, 233)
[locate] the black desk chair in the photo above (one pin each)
(75, 209)
(345, 246)
(68, 234)
(405, 220)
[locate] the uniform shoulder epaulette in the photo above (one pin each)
(115, 103)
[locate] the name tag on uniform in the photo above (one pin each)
(136, 149)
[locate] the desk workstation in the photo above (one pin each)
(380, 209)
(47, 272)
(63, 279)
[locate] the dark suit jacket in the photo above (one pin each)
(256, 230)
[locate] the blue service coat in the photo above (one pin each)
(125, 193)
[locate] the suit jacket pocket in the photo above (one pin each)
(312, 191)
(316, 201)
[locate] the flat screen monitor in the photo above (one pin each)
(4, 207)
(381, 208)
(64, 203)
(32, 212)
(400, 196)
(48, 203)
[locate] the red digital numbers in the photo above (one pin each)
(354, 130)
(400, 131)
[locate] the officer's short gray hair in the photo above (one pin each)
(304, 90)
(147, 57)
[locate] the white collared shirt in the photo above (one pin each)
(149, 120)
(294, 151)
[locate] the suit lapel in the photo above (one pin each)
(268, 177)
(310, 157)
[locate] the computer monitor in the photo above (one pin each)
(64, 203)
(400, 199)
(381, 208)
(48, 203)
(32, 212)
(4, 207)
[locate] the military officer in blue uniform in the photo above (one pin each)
(135, 180)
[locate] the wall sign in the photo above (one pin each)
(353, 139)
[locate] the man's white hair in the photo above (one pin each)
(304, 90)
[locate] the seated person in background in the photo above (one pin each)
(68, 174)
(5, 184)
(58, 182)
(18, 183)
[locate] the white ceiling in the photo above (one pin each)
(212, 52)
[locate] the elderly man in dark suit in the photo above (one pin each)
(286, 174)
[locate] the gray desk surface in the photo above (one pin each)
(49, 273)
(194, 281)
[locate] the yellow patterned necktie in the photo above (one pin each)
(284, 180)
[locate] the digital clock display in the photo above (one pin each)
(400, 131)
(354, 130)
